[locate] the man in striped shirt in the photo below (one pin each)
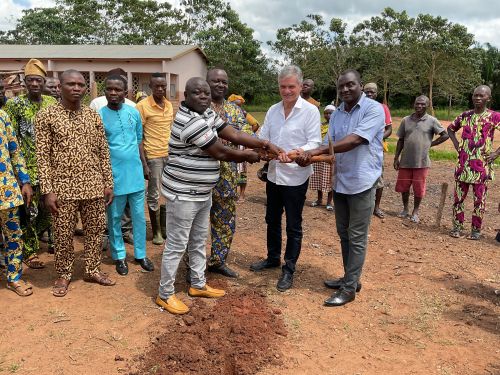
(192, 170)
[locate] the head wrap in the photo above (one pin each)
(234, 97)
(330, 107)
(371, 85)
(139, 95)
(35, 67)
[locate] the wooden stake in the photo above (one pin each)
(442, 201)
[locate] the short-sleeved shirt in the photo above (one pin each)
(358, 170)
(157, 125)
(123, 130)
(478, 130)
(417, 134)
(190, 172)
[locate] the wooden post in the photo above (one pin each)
(442, 201)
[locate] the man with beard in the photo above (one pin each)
(475, 159)
(75, 176)
(22, 111)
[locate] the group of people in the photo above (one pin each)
(94, 160)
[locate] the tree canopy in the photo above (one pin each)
(406, 56)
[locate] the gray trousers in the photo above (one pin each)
(156, 166)
(353, 213)
(187, 227)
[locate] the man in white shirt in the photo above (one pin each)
(292, 124)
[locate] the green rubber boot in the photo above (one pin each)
(154, 217)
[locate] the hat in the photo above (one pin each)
(234, 97)
(330, 107)
(371, 85)
(35, 67)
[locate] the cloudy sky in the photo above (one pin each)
(266, 16)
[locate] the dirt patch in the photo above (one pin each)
(237, 335)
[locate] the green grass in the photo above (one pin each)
(439, 113)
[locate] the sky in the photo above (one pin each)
(266, 16)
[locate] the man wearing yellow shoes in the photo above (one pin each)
(191, 171)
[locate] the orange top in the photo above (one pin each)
(157, 124)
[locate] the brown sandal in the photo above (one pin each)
(100, 278)
(60, 288)
(34, 262)
(21, 288)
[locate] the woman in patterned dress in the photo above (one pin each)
(321, 180)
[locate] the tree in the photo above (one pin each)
(442, 56)
(321, 51)
(384, 55)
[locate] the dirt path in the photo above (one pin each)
(428, 304)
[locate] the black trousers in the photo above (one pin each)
(291, 200)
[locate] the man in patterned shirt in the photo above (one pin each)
(225, 192)
(475, 159)
(12, 170)
(75, 175)
(22, 110)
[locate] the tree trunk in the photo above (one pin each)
(431, 84)
(386, 85)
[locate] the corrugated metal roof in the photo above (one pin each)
(121, 52)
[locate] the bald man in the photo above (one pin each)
(475, 159)
(411, 159)
(307, 90)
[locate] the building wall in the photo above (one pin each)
(179, 70)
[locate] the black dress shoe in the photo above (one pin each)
(285, 282)
(263, 264)
(223, 270)
(340, 297)
(146, 264)
(339, 283)
(122, 267)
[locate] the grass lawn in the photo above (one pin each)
(444, 151)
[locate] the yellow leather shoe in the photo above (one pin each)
(173, 305)
(206, 292)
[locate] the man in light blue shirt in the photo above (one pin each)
(357, 129)
(123, 127)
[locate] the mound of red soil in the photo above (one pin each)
(239, 334)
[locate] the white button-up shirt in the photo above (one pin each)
(302, 129)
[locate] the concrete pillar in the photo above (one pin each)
(93, 85)
(130, 85)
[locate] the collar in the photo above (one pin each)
(298, 103)
(361, 102)
(423, 118)
(152, 102)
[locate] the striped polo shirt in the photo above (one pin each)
(191, 173)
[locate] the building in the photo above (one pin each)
(178, 63)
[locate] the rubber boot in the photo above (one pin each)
(163, 221)
(154, 217)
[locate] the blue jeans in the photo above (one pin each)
(115, 213)
(187, 228)
(291, 200)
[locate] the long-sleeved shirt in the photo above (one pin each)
(22, 112)
(72, 153)
(12, 165)
(301, 129)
